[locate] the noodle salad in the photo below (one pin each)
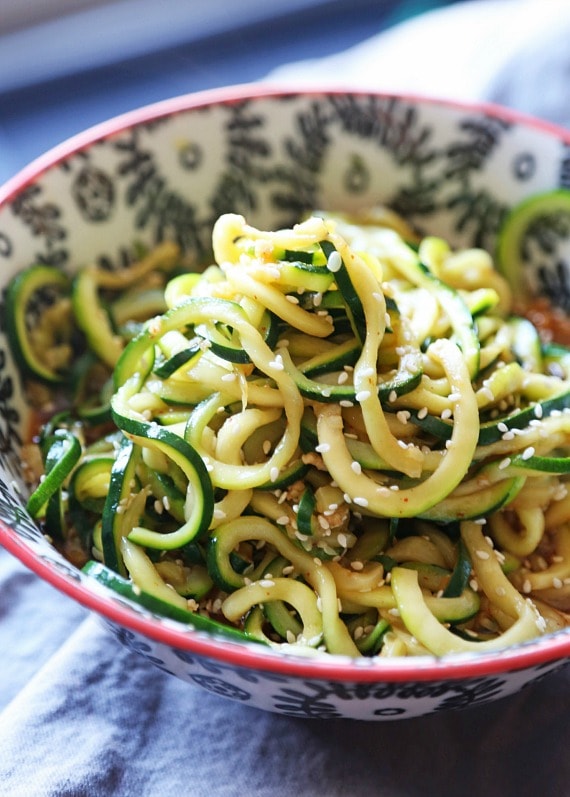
(337, 438)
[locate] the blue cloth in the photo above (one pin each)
(81, 716)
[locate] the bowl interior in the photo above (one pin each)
(170, 170)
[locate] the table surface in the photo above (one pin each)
(79, 715)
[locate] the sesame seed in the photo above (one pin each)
(504, 463)
(368, 371)
(334, 261)
(291, 638)
(361, 501)
(356, 565)
(292, 299)
(482, 554)
(527, 586)
(346, 403)
(392, 396)
(403, 416)
(557, 583)
(322, 448)
(342, 540)
(362, 395)
(446, 413)
(342, 378)
(266, 582)
(377, 296)
(317, 299)
(282, 520)
(510, 435)
(273, 474)
(277, 363)
(219, 514)
(228, 378)
(502, 427)
(422, 413)
(528, 453)
(266, 447)
(387, 319)
(538, 410)
(356, 467)
(394, 487)
(288, 569)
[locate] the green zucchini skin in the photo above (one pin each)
(23, 290)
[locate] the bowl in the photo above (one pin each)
(168, 171)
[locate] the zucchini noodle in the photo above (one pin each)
(335, 439)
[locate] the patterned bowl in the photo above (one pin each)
(170, 170)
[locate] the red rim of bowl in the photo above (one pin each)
(542, 650)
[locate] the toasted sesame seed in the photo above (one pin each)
(266, 447)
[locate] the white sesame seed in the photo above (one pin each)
(510, 435)
(342, 540)
(273, 474)
(228, 377)
(422, 413)
(362, 395)
(277, 363)
(219, 514)
(356, 565)
(292, 299)
(282, 520)
(403, 416)
(360, 501)
(482, 554)
(369, 371)
(291, 638)
(356, 467)
(346, 403)
(322, 448)
(342, 378)
(446, 413)
(527, 586)
(266, 582)
(392, 396)
(334, 261)
(538, 410)
(557, 583)
(528, 453)
(504, 463)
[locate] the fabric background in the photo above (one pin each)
(81, 715)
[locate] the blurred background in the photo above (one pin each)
(68, 64)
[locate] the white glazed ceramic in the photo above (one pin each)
(168, 171)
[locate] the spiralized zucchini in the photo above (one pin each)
(337, 438)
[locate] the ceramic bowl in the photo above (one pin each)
(169, 170)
